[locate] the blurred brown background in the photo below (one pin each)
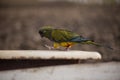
(20, 21)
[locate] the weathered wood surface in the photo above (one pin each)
(43, 54)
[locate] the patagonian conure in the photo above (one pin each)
(65, 38)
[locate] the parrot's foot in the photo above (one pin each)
(49, 47)
(52, 48)
(67, 48)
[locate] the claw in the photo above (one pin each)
(49, 47)
(68, 48)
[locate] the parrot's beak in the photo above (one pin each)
(41, 33)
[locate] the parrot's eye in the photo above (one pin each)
(40, 32)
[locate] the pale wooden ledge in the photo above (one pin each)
(48, 54)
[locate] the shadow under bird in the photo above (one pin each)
(65, 38)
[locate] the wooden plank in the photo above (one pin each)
(48, 54)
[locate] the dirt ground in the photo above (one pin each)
(19, 26)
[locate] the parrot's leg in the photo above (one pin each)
(67, 48)
(55, 46)
(49, 47)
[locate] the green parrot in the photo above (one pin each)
(64, 38)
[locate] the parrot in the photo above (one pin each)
(65, 38)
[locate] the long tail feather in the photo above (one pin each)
(100, 45)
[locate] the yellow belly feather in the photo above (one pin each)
(63, 44)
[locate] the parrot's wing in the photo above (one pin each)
(60, 35)
(79, 39)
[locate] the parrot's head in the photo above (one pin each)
(45, 31)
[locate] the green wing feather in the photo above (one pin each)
(60, 35)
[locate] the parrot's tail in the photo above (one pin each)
(83, 40)
(97, 44)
